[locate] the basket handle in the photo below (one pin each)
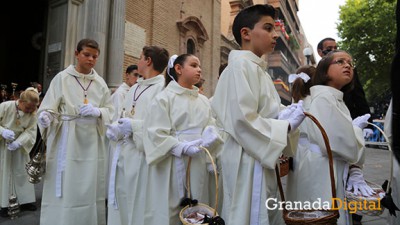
(330, 158)
(391, 156)
(215, 175)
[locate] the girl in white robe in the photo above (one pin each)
(18, 135)
(173, 130)
(72, 117)
(334, 73)
(303, 159)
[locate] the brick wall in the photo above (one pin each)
(155, 23)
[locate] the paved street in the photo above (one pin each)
(377, 169)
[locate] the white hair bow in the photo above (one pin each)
(293, 77)
(171, 64)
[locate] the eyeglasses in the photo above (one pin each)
(343, 62)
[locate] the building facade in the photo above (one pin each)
(36, 49)
(122, 28)
(288, 53)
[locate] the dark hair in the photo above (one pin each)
(249, 16)
(321, 74)
(221, 69)
(158, 55)
(301, 89)
(321, 43)
(171, 71)
(131, 68)
(87, 43)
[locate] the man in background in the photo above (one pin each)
(117, 98)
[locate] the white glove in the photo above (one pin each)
(89, 110)
(14, 146)
(113, 132)
(361, 121)
(45, 118)
(357, 183)
(8, 134)
(188, 148)
(285, 113)
(210, 136)
(297, 116)
(125, 126)
(210, 168)
(368, 133)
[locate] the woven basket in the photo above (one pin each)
(199, 207)
(314, 216)
(283, 166)
(377, 188)
(351, 197)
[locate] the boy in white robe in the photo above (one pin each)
(127, 190)
(118, 97)
(72, 118)
(247, 105)
(18, 135)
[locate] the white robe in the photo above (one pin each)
(12, 163)
(246, 103)
(117, 99)
(311, 166)
(131, 168)
(392, 220)
(177, 114)
(77, 150)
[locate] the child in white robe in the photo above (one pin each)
(334, 74)
(72, 117)
(128, 174)
(178, 121)
(18, 135)
(247, 105)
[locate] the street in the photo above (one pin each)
(376, 170)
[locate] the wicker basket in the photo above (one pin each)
(284, 165)
(377, 188)
(350, 196)
(199, 207)
(314, 216)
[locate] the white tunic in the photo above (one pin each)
(246, 103)
(117, 99)
(130, 164)
(12, 163)
(75, 179)
(311, 162)
(177, 114)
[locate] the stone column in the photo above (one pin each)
(115, 56)
(96, 27)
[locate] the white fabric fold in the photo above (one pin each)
(256, 194)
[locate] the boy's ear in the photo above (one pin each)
(245, 33)
(149, 61)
